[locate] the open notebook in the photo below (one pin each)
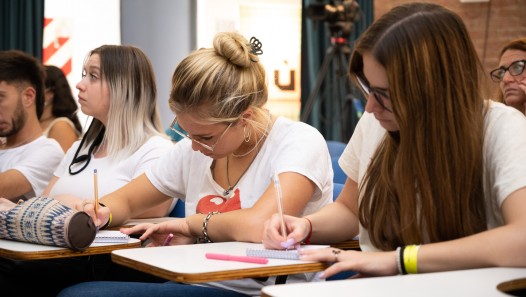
(110, 236)
(281, 254)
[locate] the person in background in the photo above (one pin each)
(436, 173)
(511, 76)
(59, 119)
(223, 167)
(118, 90)
(27, 158)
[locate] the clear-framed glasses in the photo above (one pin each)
(515, 68)
(206, 146)
(378, 94)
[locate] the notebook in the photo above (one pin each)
(281, 254)
(110, 236)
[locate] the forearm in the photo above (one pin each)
(333, 223)
(14, 184)
(503, 246)
(132, 200)
(239, 225)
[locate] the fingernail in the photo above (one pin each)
(285, 244)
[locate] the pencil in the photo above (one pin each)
(279, 198)
(96, 190)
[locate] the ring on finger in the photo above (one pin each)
(336, 252)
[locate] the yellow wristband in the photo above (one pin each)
(410, 258)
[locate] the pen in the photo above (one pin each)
(279, 197)
(247, 259)
(96, 190)
(168, 239)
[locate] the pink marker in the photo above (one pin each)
(247, 259)
(168, 239)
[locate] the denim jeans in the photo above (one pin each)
(140, 289)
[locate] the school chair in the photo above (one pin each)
(178, 211)
(339, 176)
(335, 147)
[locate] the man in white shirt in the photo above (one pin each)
(27, 158)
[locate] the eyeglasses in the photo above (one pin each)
(206, 146)
(378, 95)
(515, 68)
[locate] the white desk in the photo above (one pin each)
(475, 282)
(187, 263)
(18, 250)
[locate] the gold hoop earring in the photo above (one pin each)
(246, 135)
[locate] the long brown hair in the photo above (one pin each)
(425, 185)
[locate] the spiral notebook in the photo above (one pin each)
(110, 236)
(281, 254)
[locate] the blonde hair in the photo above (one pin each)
(220, 83)
(133, 117)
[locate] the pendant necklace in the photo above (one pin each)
(256, 146)
(231, 187)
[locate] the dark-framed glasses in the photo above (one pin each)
(515, 68)
(206, 146)
(378, 94)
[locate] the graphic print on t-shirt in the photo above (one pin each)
(211, 203)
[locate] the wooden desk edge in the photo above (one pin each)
(512, 285)
(66, 252)
(220, 275)
(347, 245)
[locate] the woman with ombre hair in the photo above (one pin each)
(118, 90)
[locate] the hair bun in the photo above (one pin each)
(237, 49)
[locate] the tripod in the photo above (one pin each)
(337, 58)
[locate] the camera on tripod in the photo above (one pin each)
(340, 15)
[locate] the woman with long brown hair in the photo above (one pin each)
(436, 174)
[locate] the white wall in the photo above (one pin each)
(165, 31)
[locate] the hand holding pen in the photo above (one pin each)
(290, 242)
(298, 229)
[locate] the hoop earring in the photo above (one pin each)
(246, 135)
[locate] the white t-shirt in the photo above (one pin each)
(36, 161)
(290, 147)
(504, 158)
(111, 175)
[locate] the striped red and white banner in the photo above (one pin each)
(57, 48)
